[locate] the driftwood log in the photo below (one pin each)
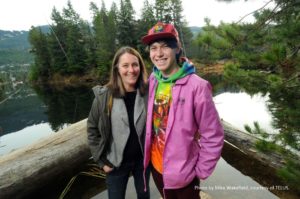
(246, 143)
(24, 171)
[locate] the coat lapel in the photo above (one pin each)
(120, 108)
(139, 113)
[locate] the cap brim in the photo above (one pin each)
(148, 39)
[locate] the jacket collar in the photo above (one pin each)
(178, 82)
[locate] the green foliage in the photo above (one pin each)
(163, 10)
(257, 130)
(205, 42)
(274, 81)
(126, 24)
(105, 35)
(72, 46)
(14, 40)
(144, 24)
(1, 89)
(262, 144)
(15, 56)
(14, 47)
(33, 75)
(266, 60)
(252, 81)
(291, 174)
(267, 141)
(266, 146)
(40, 49)
(277, 52)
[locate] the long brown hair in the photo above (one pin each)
(115, 82)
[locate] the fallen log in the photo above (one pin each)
(246, 143)
(30, 168)
(26, 170)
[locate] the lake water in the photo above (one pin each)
(32, 114)
(240, 108)
(24, 117)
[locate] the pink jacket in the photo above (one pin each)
(192, 110)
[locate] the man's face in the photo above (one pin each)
(163, 57)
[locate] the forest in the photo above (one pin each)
(261, 57)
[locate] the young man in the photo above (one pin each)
(184, 136)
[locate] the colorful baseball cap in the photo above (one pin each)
(161, 31)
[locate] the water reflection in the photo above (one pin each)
(228, 183)
(65, 106)
(240, 108)
(35, 113)
(12, 141)
(22, 110)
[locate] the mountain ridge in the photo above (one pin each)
(15, 47)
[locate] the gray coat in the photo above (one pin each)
(108, 135)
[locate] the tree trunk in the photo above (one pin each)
(30, 168)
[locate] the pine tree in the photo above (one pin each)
(163, 10)
(144, 24)
(75, 52)
(104, 25)
(57, 43)
(42, 64)
(112, 29)
(126, 25)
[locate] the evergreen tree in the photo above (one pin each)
(75, 52)
(176, 13)
(57, 43)
(112, 29)
(40, 68)
(163, 10)
(102, 40)
(266, 56)
(144, 24)
(87, 43)
(126, 25)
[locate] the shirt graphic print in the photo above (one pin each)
(162, 102)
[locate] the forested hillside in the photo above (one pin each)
(14, 47)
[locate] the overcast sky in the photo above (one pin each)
(22, 14)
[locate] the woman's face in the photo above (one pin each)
(129, 70)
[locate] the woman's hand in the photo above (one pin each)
(107, 169)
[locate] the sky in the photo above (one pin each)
(22, 14)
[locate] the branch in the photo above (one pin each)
(253, 12)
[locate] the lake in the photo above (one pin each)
(32, 114)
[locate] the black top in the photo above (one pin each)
(133, 151)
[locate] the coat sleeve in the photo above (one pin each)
(95, 140)
(211, 131)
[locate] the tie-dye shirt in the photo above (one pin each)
(163, 99)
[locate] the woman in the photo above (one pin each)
(116, 124)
